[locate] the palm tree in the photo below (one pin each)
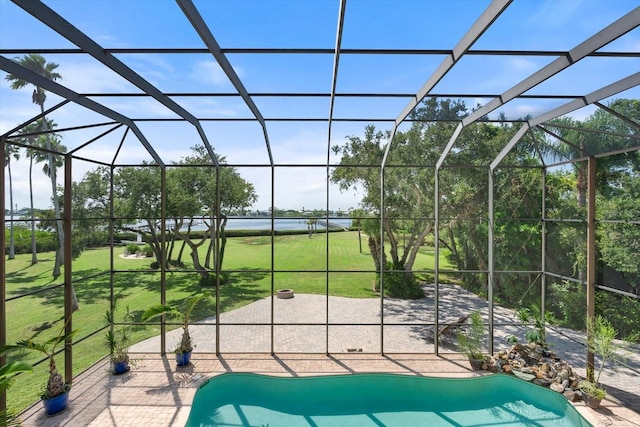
(356, 219)
(183, 313)
(38, 64)
(35, 142)
(9, 152)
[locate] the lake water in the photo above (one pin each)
(253, 223)
(280, 224)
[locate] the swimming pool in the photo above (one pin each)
(360, 400)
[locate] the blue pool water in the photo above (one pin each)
(360, 400)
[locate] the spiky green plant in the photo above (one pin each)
(118, 337)
(601, 341)
(183, 313)
(55, 384)
(470, 342)
(538, 331)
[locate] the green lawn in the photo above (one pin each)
(299, 263)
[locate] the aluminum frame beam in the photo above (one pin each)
(625, 119)
(334, 83)
(34, 78)
(201, 27)
(63, 27)
(603, 37)
(605, 92)
(490, 14)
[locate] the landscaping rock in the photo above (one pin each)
(532, 361)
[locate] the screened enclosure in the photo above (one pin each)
(434, 158)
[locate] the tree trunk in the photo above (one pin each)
(223, 243)
(182, 246)
(210, 254)
(202, 271)
(581, 185)
(12, 248)
(56, 202)
(393, 243)
(34, 247)
(184, 243)
(416, 247)
(171, 246)
(374, 249)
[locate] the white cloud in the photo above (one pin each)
(209, 73)
(207, 107)
(89, 76)
(522, 65)
(556, 13)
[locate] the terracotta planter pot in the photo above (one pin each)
(592, 402)
(476, 364)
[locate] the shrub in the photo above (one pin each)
(147, 251)
(211, 280)
(400, 284)
(132, 248)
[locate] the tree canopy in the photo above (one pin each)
(192, 199)
(409, 200)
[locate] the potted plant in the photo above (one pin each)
(537, 332)
(601, 342)
(470, 341)
(56, 393)
(185, 346)
(117, 340)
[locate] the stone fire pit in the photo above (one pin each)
(285, 293)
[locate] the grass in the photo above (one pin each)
(299, 262)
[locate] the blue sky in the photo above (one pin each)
(372, 24)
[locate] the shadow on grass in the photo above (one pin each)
(87, 291)
(243, 288)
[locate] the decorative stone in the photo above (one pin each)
(532, 362)
(523, 376)
(563, 374)
(542, 382)
(557, 387)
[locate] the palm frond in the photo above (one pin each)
(8, 371)
(32, 345)
(8, 348)
(191, 304)
(158, 310)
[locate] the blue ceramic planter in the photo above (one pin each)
(183, 359)
(55, 404)
(120, 368)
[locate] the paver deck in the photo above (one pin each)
(157, 393)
